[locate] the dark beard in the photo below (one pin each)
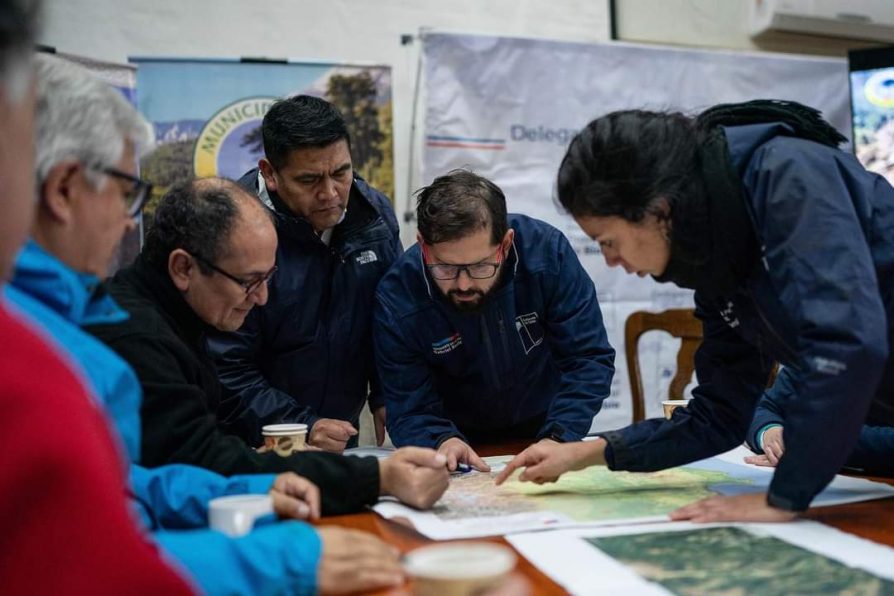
(467, 306)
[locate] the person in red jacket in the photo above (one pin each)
(64, 523)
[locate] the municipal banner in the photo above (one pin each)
(507, 108)
(207, 114)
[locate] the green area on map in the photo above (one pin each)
(595, 494)
(734, 561)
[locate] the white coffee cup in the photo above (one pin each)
(235, 515)
(458, 568)
(285, 439)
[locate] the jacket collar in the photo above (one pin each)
(78, 297)
(158, 286)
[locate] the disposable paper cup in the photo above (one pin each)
(285, 439)
(458, 568)
(235, 515)
(670, 405)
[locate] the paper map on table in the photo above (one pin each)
(473, 506)
(800, 557)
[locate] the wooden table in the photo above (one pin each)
(873, 520)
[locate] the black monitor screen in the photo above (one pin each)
(872, 108)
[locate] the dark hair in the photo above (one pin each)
(458, 204)
(299, 122)
(621, 163)
(196, 216)
(18, 28)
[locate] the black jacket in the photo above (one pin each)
(308, 352)
(185, 407)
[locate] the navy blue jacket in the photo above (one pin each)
(307, 353)
(873, 454)
(818, 300)
(538, 347)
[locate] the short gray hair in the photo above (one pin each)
(79, 117)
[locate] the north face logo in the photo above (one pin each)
(366, 257)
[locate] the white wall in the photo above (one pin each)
(714, 23)
(366, 31)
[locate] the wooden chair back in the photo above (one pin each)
(679, 322)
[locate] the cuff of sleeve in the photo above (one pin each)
(309, 420)
(557, 433)
(759, 441)
(778, 501)
(373, 486)
(615, 450)
(449, 435)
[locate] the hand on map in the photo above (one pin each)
(547, 460)
(458, 452)
(741, 508)
(379, 423)
(415, 475)
(773, 449)
(331, 435)
(295, 497)
(354, 561)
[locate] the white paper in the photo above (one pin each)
(582, 568)
(377, 452)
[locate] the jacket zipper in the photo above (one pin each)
(490, 352)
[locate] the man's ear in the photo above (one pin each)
(62, 187)
(419, 239)
(507, 241)
(181, 268)
(267, 172)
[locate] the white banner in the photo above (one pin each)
(507, 108)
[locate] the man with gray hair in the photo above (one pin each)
(61, 485)
(88, 137)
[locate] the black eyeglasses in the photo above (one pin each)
(445, 272)
(135, 198)
(249, 286)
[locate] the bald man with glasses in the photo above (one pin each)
(488, 329)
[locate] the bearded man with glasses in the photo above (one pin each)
(488, 329)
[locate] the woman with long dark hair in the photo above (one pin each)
(788, 243)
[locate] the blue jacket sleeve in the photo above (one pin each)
(579, 345)
(376, 397)
(279, 558)
(415, 410)
(771, 408)
(820, 264)
(254, 401)
(732, 375)
(177, 495)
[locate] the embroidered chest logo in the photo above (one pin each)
(447, 345)
(529, 331)
(366, 257)
(729, 315)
